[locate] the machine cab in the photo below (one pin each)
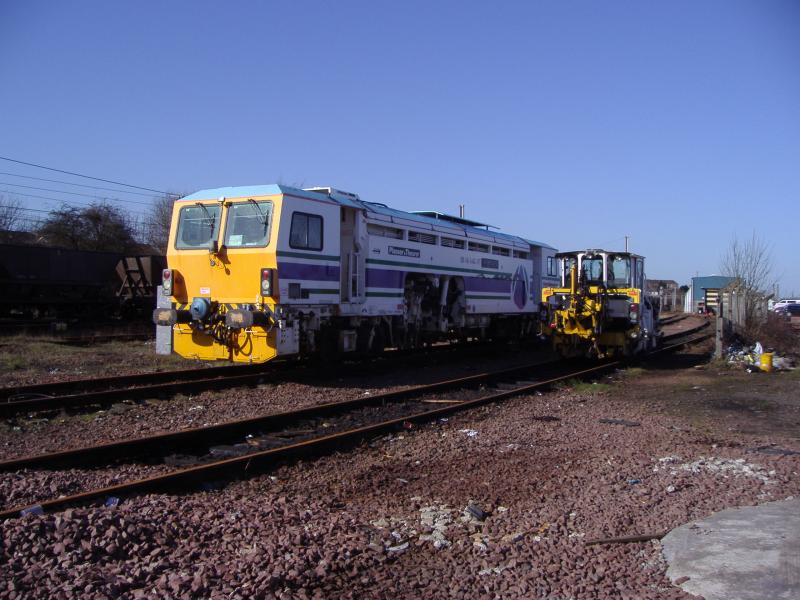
(601, 268)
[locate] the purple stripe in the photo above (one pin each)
(385, 278)
(289, 270)
(481, 284)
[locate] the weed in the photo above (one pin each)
(14, 363)
(577, 386)
(633, 372)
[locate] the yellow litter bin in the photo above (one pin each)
(766, 361)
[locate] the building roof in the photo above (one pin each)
(667, 283)
(708, 282)
(375, 210)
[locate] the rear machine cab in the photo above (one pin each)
(600, 307)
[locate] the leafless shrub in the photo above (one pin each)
(10, 213)
(159, 221)
(777, 332)
(750, 263)
(100, 227)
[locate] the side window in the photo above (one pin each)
(551, 265)
(639, 273)
(306, 232)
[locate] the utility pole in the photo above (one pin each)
(626, 242)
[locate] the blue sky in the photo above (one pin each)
(576, 123)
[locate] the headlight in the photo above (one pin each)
(167, 278)
(266, 282)
(633, 312)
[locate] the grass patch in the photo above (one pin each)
(577, 386)
(14, 363)
(87, 417)
(633, 372)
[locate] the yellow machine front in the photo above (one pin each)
(221, 278)
(599, 308)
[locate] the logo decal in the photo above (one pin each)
(519, 287)
(407, 252)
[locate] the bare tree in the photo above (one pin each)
(10, 213)
(750, 263)
(99, 227)
(159, 221)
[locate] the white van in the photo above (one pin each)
(780, 304)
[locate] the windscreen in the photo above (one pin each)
(247, 224)
(592, 269)
(198, 226)
(619, 271)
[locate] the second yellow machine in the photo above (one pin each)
(601, 307)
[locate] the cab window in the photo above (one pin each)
(619, 271)
(306, 232)
(639, 273)
(247, 224)
(592, 269)
(198, 226)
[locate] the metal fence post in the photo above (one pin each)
(719, 330)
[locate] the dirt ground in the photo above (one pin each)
(497, 502)
(28, 360)
(722, 401)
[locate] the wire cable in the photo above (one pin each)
(93, 187)
(30, 187)
(138, 187)
(64, 202)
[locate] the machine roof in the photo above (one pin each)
(450, 218)
(596, 251)
(374, 208)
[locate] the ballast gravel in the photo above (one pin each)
(493, 503)
(39, 433)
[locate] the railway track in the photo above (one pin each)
(267, 440)
(106, 390)
(673, 319)
(102, 391)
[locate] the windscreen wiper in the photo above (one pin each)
(262, 217)
(211, 219)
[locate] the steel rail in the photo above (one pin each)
(164, 442)
(103, 390)
(256, 461)
(139, 392)
(673, 319)
(7, 394)
(83, 392)
(689, 331)
(259, 460)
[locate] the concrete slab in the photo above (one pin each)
(739, 553)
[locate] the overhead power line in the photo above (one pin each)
(61, 201)
(30, 187)
(83, 185)
(138, 187)
(39, 210)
